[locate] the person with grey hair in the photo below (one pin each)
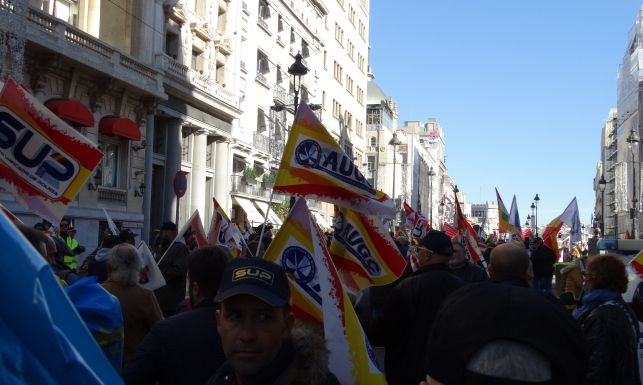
(503, 332)
(138, 304)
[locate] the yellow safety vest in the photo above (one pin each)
(70, 260)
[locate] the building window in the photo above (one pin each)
(280, 23)
(293, 37)
(373, 141)
(66, 10)
(185, 146)
(341, 3)
(339, 34)
(264, 10)
(220, 75)
(360, 96)
(197, 60)
(360, 62)
(323, 103)
(279, 75)
(350, 50)
(107, 171)
(351, 14)
(338, 72)
(359, 128)
(348, 120)
(337, 109)
(261, 121)
(305, 52)
(171, 45)
(262, 63)
(349, 84)
(362, 30)
(373, 116)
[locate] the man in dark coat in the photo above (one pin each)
(173, 266)
(258, 336)
(542, 260)
(503, 332)
(185, 349)
(465, 270)
(411, 308)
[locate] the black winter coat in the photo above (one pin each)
(542, 260)
(612, 334)
(407, 318)
(184, 349)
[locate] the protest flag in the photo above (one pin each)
(467, 232)
(569, 217)
(363, 251)
(150, 277)
(191, 235)
(43, 161)
(223, 232)
(514, 219)
(110, 223)
(637, 264)
(504, 224)
(41, 332)
(449, 230)
(417, 222)
(317, 296)
(313, 165)
(10, 215)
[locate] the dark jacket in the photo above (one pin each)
(480, 313)
(181, 350)
(407, 318)
(612, 334)
(470, 272)
(302, 360)
(174, 268)
(542, 260)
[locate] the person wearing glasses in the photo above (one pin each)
(412, 306)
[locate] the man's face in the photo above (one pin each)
(459, 255)
(252, 332)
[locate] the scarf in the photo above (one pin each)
(593, 299)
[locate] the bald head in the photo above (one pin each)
(509, 262)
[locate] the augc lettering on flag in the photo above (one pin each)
(351, 238)
(29, 154)
(311, 154)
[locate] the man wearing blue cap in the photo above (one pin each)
(259, 337)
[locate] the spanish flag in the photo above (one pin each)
(315, 166)
(363, 251)
(317, 296)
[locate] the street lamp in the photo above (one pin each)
(394, 142)
(536, 199)
(528, 223)
(431, 175)
(601, 186)
(633, 138)
(297, 70)
(441, 212)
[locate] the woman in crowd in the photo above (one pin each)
(609, 325)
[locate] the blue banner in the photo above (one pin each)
(44, 341)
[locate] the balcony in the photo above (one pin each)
(371, 148)
(191, 78)
(281, 95)
(66, 40)
(112, 194)
(261, 142)
(242, 64)
(264, 25)
(261, 78)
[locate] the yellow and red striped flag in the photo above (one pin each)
(315, 166)
(363, 251)
(503, 217)
(637, 264)
(317, 296)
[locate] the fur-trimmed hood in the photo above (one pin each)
(308, 363)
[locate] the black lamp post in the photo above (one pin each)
(536, 199)
(528, 223)
(431, 175)
(602, 183)
(297, 70)
(633, 138)
(394, 142)
(441, 213)
(455, 193)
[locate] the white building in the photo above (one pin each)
(486, 215)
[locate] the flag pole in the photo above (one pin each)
(265, 219)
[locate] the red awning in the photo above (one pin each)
(123, 127)
(72, 111)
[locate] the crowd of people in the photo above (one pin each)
(223, 320)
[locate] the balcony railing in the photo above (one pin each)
(261, 142)
(280, 94)
(249, 187)
(112, 194)
(261, 78)
(106, 58)
(206, 84)
(264, 25)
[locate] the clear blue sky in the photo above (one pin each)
(521, 88)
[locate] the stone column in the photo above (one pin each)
(223, 168)
(172, 165)
(92, 21)
(147, 197)
(198, 174)
(143, 13)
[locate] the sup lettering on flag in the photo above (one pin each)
(313, 165)
(44, 162)
(318, 297)
(363, 251)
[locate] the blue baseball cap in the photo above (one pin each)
(257, 277)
